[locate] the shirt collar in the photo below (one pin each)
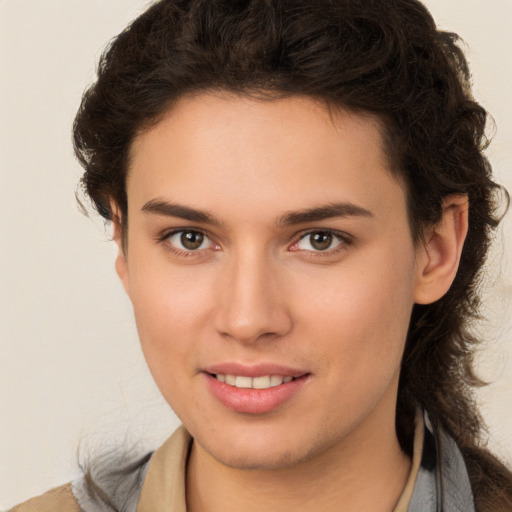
(442, 484)
(164, 486)
(438, 481)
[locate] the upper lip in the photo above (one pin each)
(254, 370)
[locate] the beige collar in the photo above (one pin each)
(419, 432)
(164, 485)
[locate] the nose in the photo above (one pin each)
(251, 305)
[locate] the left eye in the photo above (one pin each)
(189, 240)
(319, 241)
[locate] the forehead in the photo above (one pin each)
(213, 150)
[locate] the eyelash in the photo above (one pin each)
(164, 239)
(344, 241)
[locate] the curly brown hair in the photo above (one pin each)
(384, 57)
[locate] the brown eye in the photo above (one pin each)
(189, 240)
(318, 241)
(321, 241)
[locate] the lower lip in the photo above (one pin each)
(254, 401)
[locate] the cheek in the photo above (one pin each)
(360, 313)
(170, 306)
(166, 296)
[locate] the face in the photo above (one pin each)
(272, 274)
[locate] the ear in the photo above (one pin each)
(121, 263)
(439, 255)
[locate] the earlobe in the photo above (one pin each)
(439, 256)
(121, 264)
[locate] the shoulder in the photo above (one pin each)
(59, 499)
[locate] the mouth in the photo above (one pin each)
(255, 390)
(245, 382)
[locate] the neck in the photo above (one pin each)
(365, 471)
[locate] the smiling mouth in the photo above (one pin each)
(244, 382)
(255, 391)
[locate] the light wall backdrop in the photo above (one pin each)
(72, 377)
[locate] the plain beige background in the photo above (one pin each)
(71, 372)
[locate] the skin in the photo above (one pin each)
(258, 291)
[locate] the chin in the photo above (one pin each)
(259, 461)
(248, 450)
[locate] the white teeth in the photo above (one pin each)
(243, 382)
(263, 382)
(276, 380)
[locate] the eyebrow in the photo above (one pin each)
(329, 211)
(161, 207)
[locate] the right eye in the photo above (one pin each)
(188, 240)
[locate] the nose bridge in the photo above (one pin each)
(250, 305)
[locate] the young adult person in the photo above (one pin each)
(302, 209)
